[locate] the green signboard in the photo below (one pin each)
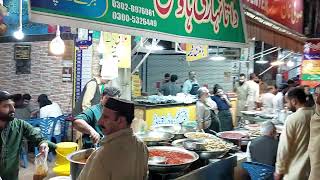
(213, 22)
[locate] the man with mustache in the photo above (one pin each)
(292, 157)
(122, 156)
(12, 131)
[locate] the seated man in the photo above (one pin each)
(86, 122)
(12, 132)
(264, 148)
(122, 156)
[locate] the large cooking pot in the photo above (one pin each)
(77, 161)
(169, 168)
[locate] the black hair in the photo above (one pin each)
(173, 78)
(252, 76)
(17, 99)
(43, 100)
(111, 91)
(166, 75)
(290, 81)
(297, 93)
(216, 87)
(242, 75)
(26, 97)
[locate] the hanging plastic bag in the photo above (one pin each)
(41, 166)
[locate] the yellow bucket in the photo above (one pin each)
(63, 149)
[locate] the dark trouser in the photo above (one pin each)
(215, 123)
(225, 118)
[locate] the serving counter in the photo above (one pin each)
(165, 113)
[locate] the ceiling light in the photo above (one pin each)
(290, 63)
(217, 58)
(277, 63)
(154, 47)
(57, 46)
(102, 45)
(261, 61)
(19, 34)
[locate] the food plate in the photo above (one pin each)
(252, 127)
(233, 135)
(198, 135)
(249, 113)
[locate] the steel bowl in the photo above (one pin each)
(203, 154)
(75, 161)
(154, 138)
(177, 130)
(169, 168)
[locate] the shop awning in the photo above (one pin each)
(214, 22)
(273, 37)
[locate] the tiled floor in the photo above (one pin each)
(27, 173)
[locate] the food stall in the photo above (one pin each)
(218, 23)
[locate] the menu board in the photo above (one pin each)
(22, 51)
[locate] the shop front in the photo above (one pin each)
(206, 24)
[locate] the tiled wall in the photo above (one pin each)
(45, 77)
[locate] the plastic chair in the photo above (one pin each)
(24, 153)
(258, 171)
(47, 128)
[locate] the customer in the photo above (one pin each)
(206, 111)
(267, 100)
(242, 91)
(90, 94)
(264, 148)
(48, 108)
(171, 88)
(310, 100)
(224, 105)
(253, 91)
(292, 158)
(87, 121)
(23, 107)
(122, 156)
(314, 144)
(191, 85)
(12, 132)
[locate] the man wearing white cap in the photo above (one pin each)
(121, 155)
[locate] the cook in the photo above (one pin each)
(87, 121)
(12, 132)
(191, 85)
(121, 155)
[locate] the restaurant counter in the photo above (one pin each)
(172, 113)
(165, 113)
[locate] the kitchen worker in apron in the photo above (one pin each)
(122, 156)
(191, 85)
(314, 143)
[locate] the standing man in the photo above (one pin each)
(122, 155)
(191, 85)
(253, 91)
(293, 158)
(90, 95)
(278, 100)
(87, 121)
(12, 132)
(264, 148)
(267, 100)
(242, 91)
(314, 144)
